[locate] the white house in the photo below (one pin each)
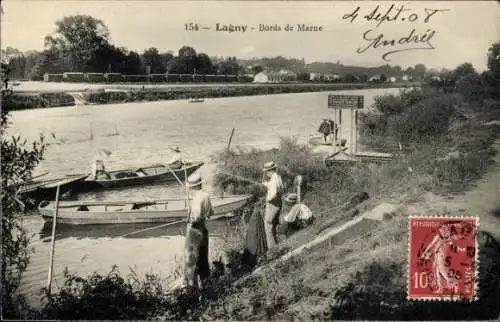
(260, 78)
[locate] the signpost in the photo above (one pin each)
(350, 103)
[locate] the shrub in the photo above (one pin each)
(17, 164)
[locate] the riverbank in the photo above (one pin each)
(360, 275)
(112, 95)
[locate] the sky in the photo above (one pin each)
(461, 33)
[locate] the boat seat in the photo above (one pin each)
(82, 208)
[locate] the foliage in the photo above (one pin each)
(292, 159)
(18, 160)
(379, 292)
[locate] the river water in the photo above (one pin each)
(140, 134)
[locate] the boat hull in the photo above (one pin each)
(38, 191)
(154, 175)
(70, 216)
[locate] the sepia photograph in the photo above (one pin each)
(250, 160)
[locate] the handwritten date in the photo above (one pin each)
(392, 14)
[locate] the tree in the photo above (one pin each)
(151, 57)
(177, 66)
(165, 59)
(17, 163)
(131, 64)
(463, 70)
(5, 70)
(419, 70)
(77, 38)
(188, 56)
(204, 64)
(228, 67)
(492, 75)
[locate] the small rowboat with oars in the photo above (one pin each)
(140, 176)
(133, 212)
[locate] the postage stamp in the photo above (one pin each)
(443, 258)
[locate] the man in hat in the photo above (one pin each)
(176, 160)
(196, 246)
(274, 203)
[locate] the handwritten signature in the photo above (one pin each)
(412, 41)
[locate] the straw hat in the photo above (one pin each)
(271, 165)
(194, 180)
(176, 149)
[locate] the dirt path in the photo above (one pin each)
(483, 200)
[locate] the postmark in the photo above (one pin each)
(443, 258)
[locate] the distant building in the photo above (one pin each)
(315, 76)
(260, 78)
(392, 79)
(332, 77)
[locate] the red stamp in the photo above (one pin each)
(442, 258)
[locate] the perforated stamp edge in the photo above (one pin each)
(476, 260)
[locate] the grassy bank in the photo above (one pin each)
(19, 101)
(360, 276)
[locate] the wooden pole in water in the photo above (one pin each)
(188, 206)
(230, 139)
(53, 241)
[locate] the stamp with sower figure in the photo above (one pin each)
(443, 258)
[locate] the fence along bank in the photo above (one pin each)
(153, 78)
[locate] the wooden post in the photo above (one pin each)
(340, 128)
(356, 131)
(53, 242)
(351, 132)
(335, 120)
(230, 139)
(188, 206)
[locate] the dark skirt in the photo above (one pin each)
(255, 243)
(196, 253)
(324, 128)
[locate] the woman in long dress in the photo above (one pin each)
(255, 243)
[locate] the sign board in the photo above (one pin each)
(346, 101)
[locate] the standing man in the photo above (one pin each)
(176, 160)
(196, 247)
(274, 202)
(324, 128)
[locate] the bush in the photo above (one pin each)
(292, 159)
(17, 164)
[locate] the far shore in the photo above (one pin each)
(133, 92)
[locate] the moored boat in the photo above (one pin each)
(196, 100)
(140, 176)
(33, 192)
(132, 212)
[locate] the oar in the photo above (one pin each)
(173, 173)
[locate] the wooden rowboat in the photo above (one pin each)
(33, 192)
(196, 100)
(139, 176)
(133, 212)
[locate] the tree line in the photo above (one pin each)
(81, 43)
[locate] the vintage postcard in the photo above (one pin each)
(250, 160)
